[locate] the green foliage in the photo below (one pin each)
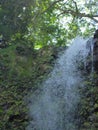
(15, 17)
(58, 22)
(20, 73)
(88, 105)
(46, 22)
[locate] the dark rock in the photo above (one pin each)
(3, 44)
(19, 117)
(23, 51)
(93, 42)
(96, 34)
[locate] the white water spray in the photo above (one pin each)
(54, 108)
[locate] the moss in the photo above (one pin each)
(20, 73)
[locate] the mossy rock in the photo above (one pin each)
(21, 72)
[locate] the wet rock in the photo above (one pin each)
(92, 58)
(95, 50)
(96, 34)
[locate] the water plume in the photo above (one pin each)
(55, 106)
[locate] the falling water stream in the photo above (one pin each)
(55, 106)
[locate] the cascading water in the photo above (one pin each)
(55, 106)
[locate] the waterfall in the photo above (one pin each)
(54, 107)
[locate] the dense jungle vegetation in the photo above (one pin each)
(32, 33)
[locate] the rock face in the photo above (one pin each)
(88, 111)
(95, 54)
(96, 34)
(92, 58)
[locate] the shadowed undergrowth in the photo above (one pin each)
(21, 69)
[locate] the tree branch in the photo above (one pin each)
(75, 6)
(74, 13)
(51, 5)
(78, 14)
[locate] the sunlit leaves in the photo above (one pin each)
(47, 22)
